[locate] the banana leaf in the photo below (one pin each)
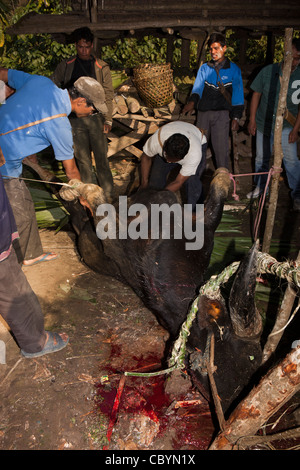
(49, 211)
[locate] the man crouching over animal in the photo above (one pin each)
(173, 145)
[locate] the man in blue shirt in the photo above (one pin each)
(263, 109)
(33, 118)
(218, 97)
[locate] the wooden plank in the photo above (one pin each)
(266, 15)
(135, 151)
(141, 125)
(121, 143)
(160, 6)
(166, 118)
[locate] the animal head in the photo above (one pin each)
(235, 327)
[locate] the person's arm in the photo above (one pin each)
(59, 74)
(293, 136)
(146, 163)
(188, 107)
(235, 125)
(253, 108)
(196, 92)
(3, 75)
(109, 95)
(177, 183)
(71, 169)
(237, 98)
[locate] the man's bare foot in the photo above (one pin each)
(44, 257)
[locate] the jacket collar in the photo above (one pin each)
(225, 64)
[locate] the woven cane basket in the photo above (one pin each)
(154, 84)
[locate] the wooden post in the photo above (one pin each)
(170, 49)
(94, 19)
(277, 139)
(273, 391)
(243, 49)
(270, 48)
(185, 53)
(202, 54)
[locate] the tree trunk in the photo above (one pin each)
(277, 139)
(275, 389)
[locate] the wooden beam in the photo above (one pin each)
(39, 24)
(159, 6)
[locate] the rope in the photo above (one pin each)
(68, 194)
(270, 173)
(287, 323)
(37, 181)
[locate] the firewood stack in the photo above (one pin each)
(127, 101)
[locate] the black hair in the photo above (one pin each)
(296, 43)
(217, 37)
(83, 33)
(176, 146)
(74, 93)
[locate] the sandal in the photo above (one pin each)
(42, 258)
(53, 344)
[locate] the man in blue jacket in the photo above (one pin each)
(218, 97)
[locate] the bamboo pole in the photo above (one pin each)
(278, 155)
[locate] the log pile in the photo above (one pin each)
(132, 115)
(127, 101)
(135, 120)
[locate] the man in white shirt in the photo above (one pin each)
(173, 145)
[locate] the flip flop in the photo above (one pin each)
(54, 343)
(44, 258)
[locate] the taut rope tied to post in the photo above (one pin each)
(37, 181)
(270, 173)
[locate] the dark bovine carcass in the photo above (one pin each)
(161, 271)
(167, 278)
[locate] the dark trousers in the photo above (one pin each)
(19, 306)
(215, 124)
(88, 137)
(193, 186)
(29, 245)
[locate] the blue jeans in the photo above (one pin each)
(264, 146)
(193, 186)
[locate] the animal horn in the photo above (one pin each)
(218, 193)
(245, 318)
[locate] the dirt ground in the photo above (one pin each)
(69, 400)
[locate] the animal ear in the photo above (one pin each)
(210, 311)
(245, 318)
